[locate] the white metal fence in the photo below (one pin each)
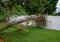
(53, 22)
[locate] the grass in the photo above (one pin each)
(31, 34)
(2, 24)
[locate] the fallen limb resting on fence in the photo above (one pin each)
(40, 20)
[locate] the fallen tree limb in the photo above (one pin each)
(10, 24)
(5, 27)
(38, 19)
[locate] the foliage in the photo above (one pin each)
(28, 6)
(56, 14)
(51, 6)
(39, 6)
(11, 7)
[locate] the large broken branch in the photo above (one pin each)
(5, 27)
(10, 24)
(40, 19)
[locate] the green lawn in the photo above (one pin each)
(32, 34)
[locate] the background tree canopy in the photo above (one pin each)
(28, 6)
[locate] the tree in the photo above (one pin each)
(39, 6)
(11, 6)
(30, 6)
